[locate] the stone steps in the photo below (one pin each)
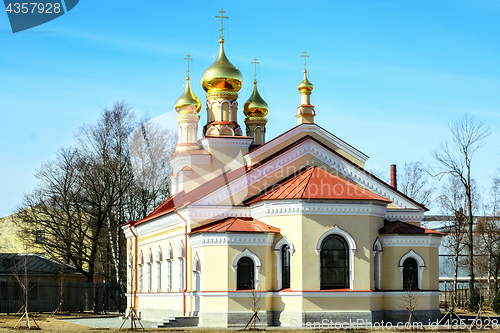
(180, 322)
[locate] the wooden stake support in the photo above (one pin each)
(480, 317)
(252, 320)
(133, 317)
(27, 314)
(60, 308)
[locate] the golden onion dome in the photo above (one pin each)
(222, 75)
(255, 106)
(305, 85)
(188, 103)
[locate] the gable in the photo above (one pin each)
(294, 157)
(274, 146)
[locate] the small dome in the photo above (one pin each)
(222, 75)
(305, 85)
(255, 106)
(188, 103)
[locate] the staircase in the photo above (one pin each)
(179, 322)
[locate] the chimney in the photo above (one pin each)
(394, 181)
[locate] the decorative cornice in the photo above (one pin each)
(297, 206)
(419, 240)
(216, 212)
(228, 239)
(161, 223)
(227, 142)
(221, 94)
(180, 161)
(404, 215)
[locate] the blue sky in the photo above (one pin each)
(389, 76)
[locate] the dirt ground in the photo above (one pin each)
(52, 323)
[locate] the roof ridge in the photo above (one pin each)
(313, 168)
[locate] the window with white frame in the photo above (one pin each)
(246, 267)
(158, 271)
(377, 255)
(169, 275)
(181, 267)
(284, 250)
(169, 259)
(336, 250)
(412, 267)
(150, 272)
(141, 273)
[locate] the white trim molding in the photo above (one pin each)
(228, 239)
(352, 249)
(418, 240)
(317, 207)
(404, 215)
(420, 262)
(226, 141)
(256, 262)
(201, 212)
(306, 128)
(279, 262)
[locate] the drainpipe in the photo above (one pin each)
(135, 268)
(185, 263)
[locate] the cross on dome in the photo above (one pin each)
(188, 58)
(255, 62)
(305, 56)
(222, 17)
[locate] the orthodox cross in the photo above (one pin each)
(222, 17)
(255, 62)
(188, 57)
(305, 56)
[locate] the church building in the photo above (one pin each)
(295, 223)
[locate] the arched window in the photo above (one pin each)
(410, 274)
(131, 273)
(158, 270)
(141, 272)
(169, 267)
(285, 269)
(181, 266)
(245, 273)
(150, 272)
(412, 267)
(334, 259)
(279, 248)
(377, 254)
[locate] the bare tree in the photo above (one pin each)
(88, 191)
(452, 200)
(414, 182)
(455, 159)
(151, 147)
(488, 238)
(20, 272)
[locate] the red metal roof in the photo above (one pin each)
(182, 199)
(398, 227)
(236, 224)
(316, 183)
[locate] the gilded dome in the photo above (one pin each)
(188, 103)
(255, 106)
(221, 75)
(305, 85)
